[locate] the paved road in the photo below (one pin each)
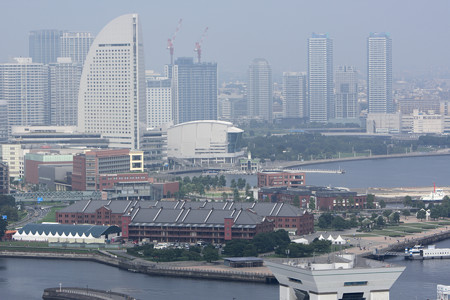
(33, 215)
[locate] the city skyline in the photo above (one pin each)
(281, 41)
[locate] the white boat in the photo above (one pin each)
(435, 195)
(419, 252)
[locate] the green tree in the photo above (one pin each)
(380, 221)
(247, 189)
(233, 184)
(382, 203)
(421, 214)
(210, 253)
(325, 220)
(3, 226)
(296, 201)
(312, 203)
(370, 201)
(339, 223)
(407, 201)
(241, 182)
(435, 212)
(406, 212)
(224, 196)
(236, 196)
(395, 217)
(222, 181)
(387, 213)
(351, 201)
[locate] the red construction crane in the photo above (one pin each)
(198, 46)
(170, 41)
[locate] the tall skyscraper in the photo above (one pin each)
(294, 95)
(259, 90)
(44, 45)
(64, 82)
(194, 87)
(76, 45)
(346, 93)
(320, 78)
(379, 73)
(159, 101)
(112, 99)
(24, 85)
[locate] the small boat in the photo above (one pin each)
(435, 195)
(431, 252)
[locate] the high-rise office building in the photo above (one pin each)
(24, 85)
(64, 82)
(159, 101)
(346, 93)
(3, 120)
(379, 73)
(76, 45)
(294, 95)
(194, 90)
(259, 90)
(44, 45)
(112, 99)
(320, 78)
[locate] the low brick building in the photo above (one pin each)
(281, 178)
(184, 221)
(326, 198)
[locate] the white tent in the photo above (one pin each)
(321, 238)
(339, 241)
(301, 241)
(330, 238)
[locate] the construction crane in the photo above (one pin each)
(198, 46)
(170, 41)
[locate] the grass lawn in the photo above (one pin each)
(50, 217)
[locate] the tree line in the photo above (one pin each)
(317, 146)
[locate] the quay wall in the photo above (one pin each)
(151, 268)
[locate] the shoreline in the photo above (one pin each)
(292, 164)
(208, 272)
(217, 271)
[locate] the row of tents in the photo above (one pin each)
(335, 241)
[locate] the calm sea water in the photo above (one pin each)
(27, 279)
(390, 172)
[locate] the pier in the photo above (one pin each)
(323, 171)
(76, 293)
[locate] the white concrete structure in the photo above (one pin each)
(346, 93)
(443, 292)
(204, 142)
(159, 101)
(379, 75)
(259, 90)
(13, 155)
(320, 78)
(75, 45)
(295, 103)
(23, 84)
(427, 122)
(112, 100)
(64, 82)
(333, 278)
(384, 123)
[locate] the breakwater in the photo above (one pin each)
(149, 268)
(75, 293)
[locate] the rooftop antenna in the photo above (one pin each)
(198, 46)
(170, 41)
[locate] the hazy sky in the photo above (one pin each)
(242, 30)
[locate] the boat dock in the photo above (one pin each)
(323, 171)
